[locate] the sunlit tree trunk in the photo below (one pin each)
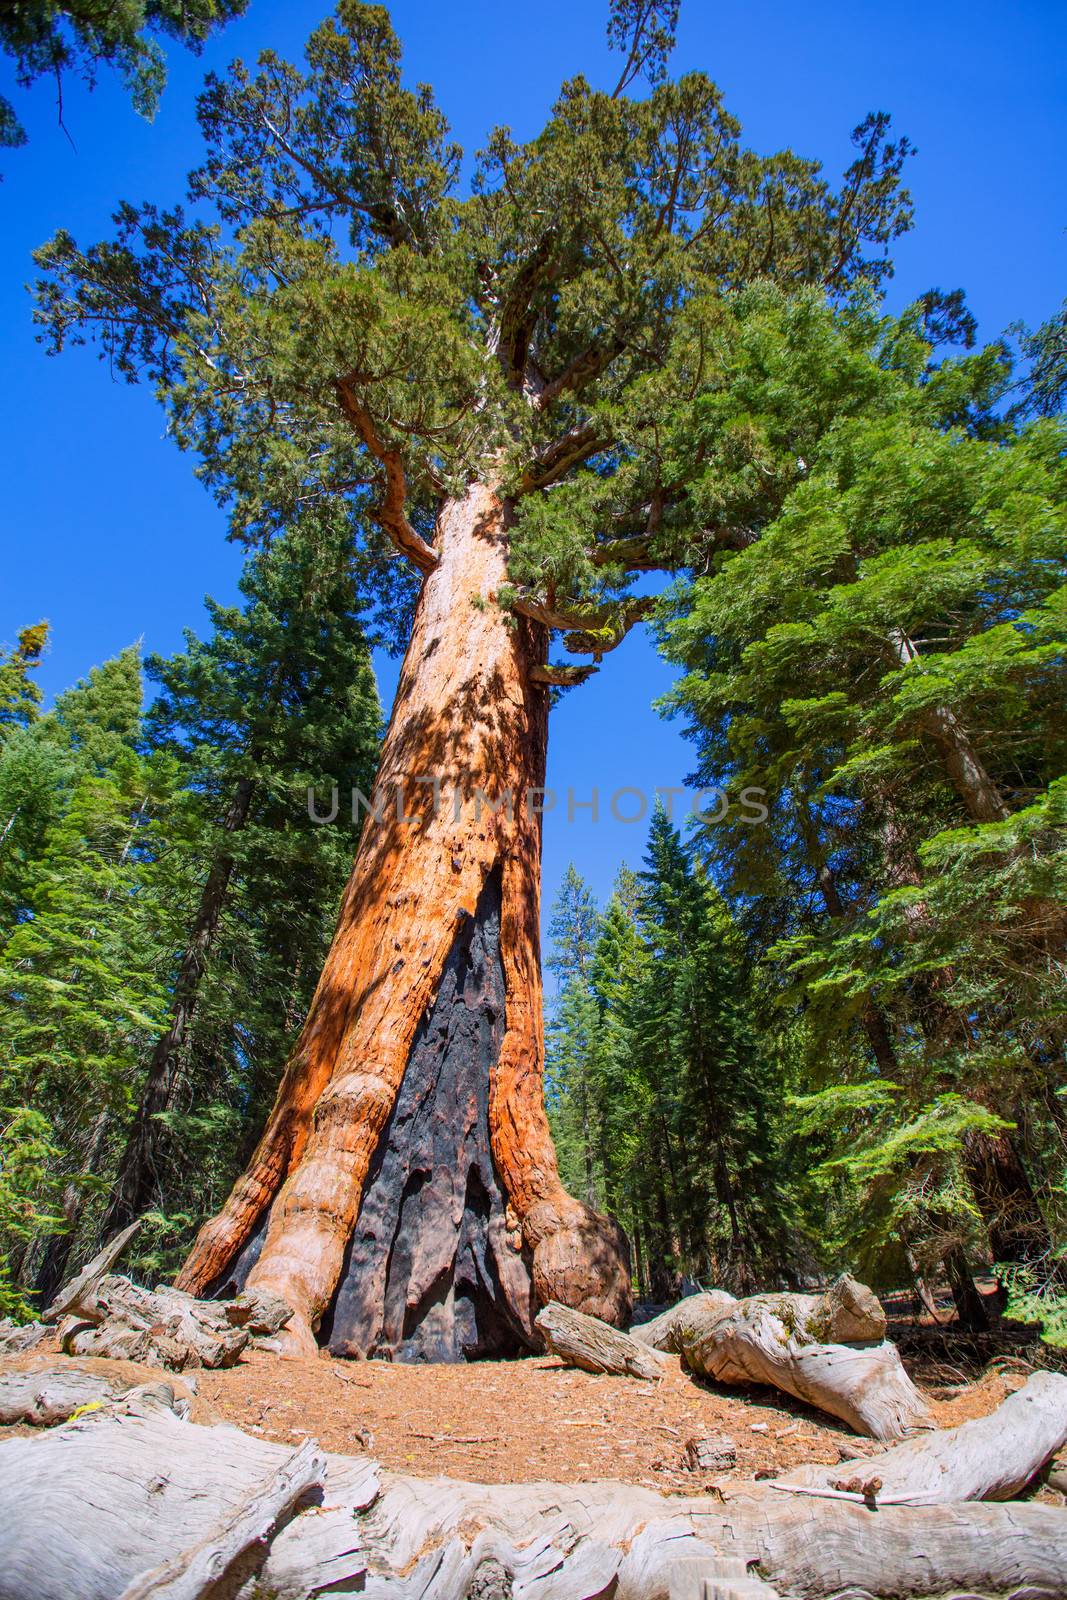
(434, 972)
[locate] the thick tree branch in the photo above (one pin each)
(391, 512)
(516, 323)
(561, 677)
(633, 555)
(555, 460)
(582, 370)
(593, 630)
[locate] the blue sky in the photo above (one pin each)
(104, 529)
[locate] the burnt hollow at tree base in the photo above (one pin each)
(433, 1271)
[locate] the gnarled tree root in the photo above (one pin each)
(131, 1501)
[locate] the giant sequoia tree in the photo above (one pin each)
(477, 379)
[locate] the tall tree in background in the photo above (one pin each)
(19, 695)
(477, 381)
(77, 969)
(665, 1091)
(571, 1036)
(717, 1082)
(279, 700)
(888, 664)
(161, 941)
(32, 772)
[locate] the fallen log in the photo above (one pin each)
(797, 1343)
(258, 1310)
(196, 1571)
(79, 1294)
(89, 1510)
(104, 1314)
(845, 1313)
(989, 1458)
(151, 1347)
(162, 1327)
(593, 1345)
(16, 1337)
(661, 1332)
(44, 1397)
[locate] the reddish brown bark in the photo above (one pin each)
(468, 713)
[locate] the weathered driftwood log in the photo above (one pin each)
(195, 1572)
(79, 1293)
(991, 1458)
(845, 1313)
(661, 1332)
(88, 1510)
(161, 1326)
(257, 1310)
(50, 1395)
(588, 1343)
(796, 1342)
(16, 1337)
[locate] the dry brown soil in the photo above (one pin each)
(527, 1420)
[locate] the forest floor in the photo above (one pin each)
(530, 1419)
(535, 1419)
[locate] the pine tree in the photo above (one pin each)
(35, 774)
(78, 971)
(718, 1086)
(280, 701)
(665, 1091)
(571, 1036)
(885, 660)
(19, 695)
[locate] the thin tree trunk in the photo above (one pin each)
(53, 1268)
(971, 1313)
(1009, 1207)
(659, 1279)
(137, 1166)
(467, 714)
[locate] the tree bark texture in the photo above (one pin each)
(469, 715)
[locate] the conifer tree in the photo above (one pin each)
(278, 703)
(19, 694)
(666, 1092)
(78, 970)
(476, 382)
(887, 664)
(34, 773)
(571, 1036)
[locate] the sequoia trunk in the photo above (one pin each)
(433, 975)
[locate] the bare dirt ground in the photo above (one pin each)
(521, 1421)
(524, 1421)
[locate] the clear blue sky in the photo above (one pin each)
(104, 529)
